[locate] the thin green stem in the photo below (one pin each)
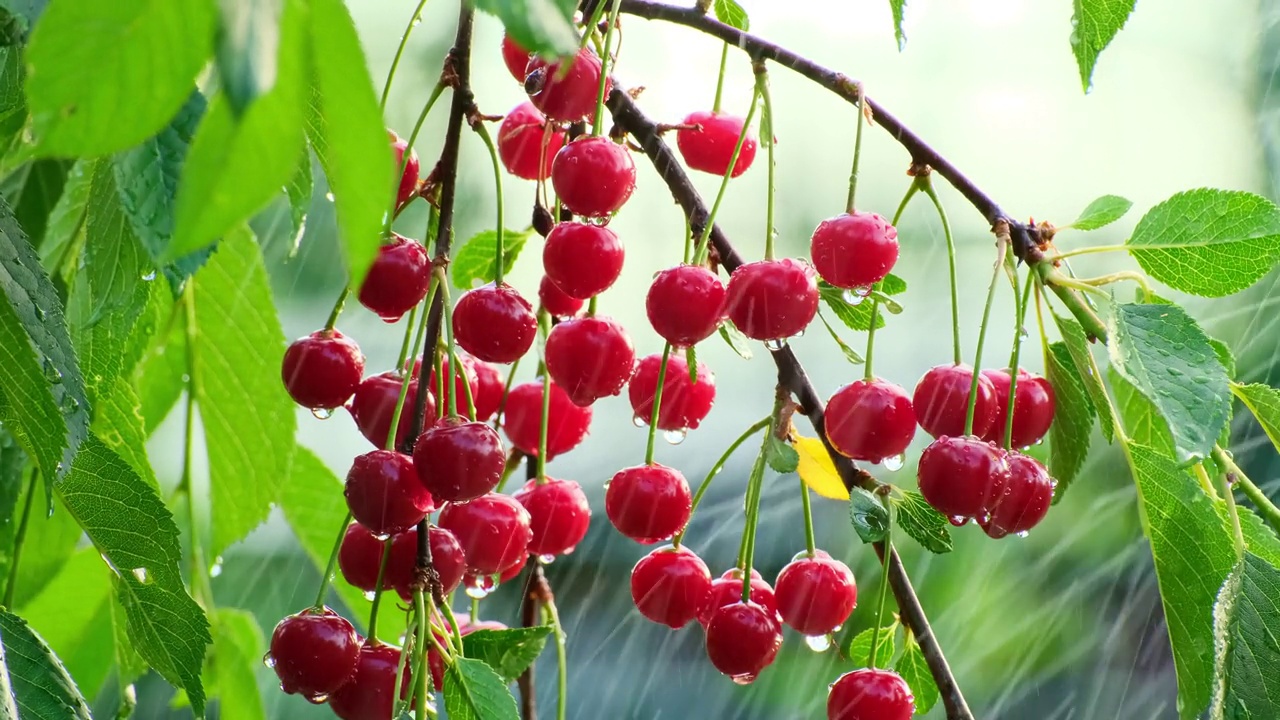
(333, 563)
(884, 592)
(1233, 513)
(499, 260)
(453, 626)
(809, 542)
(1089, 251)
(869, 356)
(404, 40)
(762, 86)
(1109, 278)
(688, 241)
(418, 336)
(1265, 507)
(378, 589)
(700, 254)
(199, 573)
(436, 92)
(544, 325)
(591, 306)
(753, 520)
(11, 583)
(982, 334)
(400, 706)
(1063, 281)
(597, 123)
(552, 617)
(506, 390)
(337, 308)
(724, 62)
(1020, 313)
(443, 285)
(926, 184)
(420, 652)
(589, 27)
(657, 404)
(857, 153)
(760, 424)
(403, 357)
(474, 614)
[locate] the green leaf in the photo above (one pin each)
(780, 455)
(13, 469)
(1245, 681)
(1264, 402)
(1102, 212)
(915, 671)
(918, 519)
(105, 75)
(540, 26)
(1078, 347)
(474, 264)
(50, 543)
(734, 338)
(116, 264)
(1168, 358)
(299, 192)
(162, 365)
(473, 691)
(859, 649)
(1141, 419)
(1072, 428)
(117, 422)
(691, 361)
(33, 190)
(898, 8)
(64, 231)
(73, 615)
(33, 683)
(870, 518)
(1208, 242)
(356, 152)
(238, 646)
(247, 49)
(857, 316)
(1094, 23)
(731, 13)
(507, 652)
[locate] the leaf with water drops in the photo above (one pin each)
(1247, 652)
(117, 422)
(474, 263)
(33, 683)
(817, 470)
(1072, 428)
(1142, 422)
(1102, 212)
(917, 518)
(64, 231)
(869, 516)
(915, 671)
(473, 691)
(851, 306)
(1094, 23)
(509, 652)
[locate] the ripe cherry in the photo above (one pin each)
(493, 531)
(371, 691)
(590, 357)
(397, 280)
(685, 403)
(941, 401)
(670, 585)
(488, 388)
(960, 476)
(771, 300)
(854, 250)
(567, 423)
(742, 639)
(446, 557)
(870, 420)
(816, 594)
(1023, 501)
(559, 515)
(648, 503)
(375, 403)
(565, 95)
(494, 323)
(727, 590)
(710, 147)
(1032, 411)
(457, 460)
(520, 143)
(383, 493)
(359, 557)
(409, 177)
(593, 176)
(314, 652)
(685, 304)
(555, 301)
(582, 259)
(321, 370)
(870, 694)
(514, 57)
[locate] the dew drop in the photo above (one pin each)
(216, 568)
(546, 559)
(480, 587)
(317, 699)
(51, 372)
(818, 643)
(370, 595)
(1174, 371)
(598, 220)
(895, 463)
(186, 378)
(638, 421)
(268, 660)
(1022, 332)
(799, 334)
(328, 196)
(148, 277)
(322, 413)
(141, 574)
(958, 520)
(674, 437)
(1022, 534)
(744, 679)
(775, 344)
(39, 313)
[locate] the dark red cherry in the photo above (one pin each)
(593, 176)
(409, 177)
(648, 503)
(685, 304)
(383, 493)
(494, 323)
(684, 403)
(816, 594)
(870, 420)
(559, 515)
(359, 557)
(397, 280)
(960, 476)
(743, 639)
(1023, 501)
(772, 300)
(555, 301)
(582, 259)
(567, 423)
(370, 695)
(446, 557)
(458, 460)
(493, 531)
(590, 357)
(854, 250)
(870, 694)
(565, 95)
(463, 384)
(514, 57)
(489, 387)
(521, 139)
(314, 652)
(321, 370)
(941, 401)
(670, 585)
(727, 590)
(374, 404)
(1032, 411)
(710, 147)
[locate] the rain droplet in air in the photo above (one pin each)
(818, 643)
(322, 413)
(895, 463)
(674, 437)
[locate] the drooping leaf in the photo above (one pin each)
(859, 648)
(817, 470)
(33, 683)
(72, 614)
(1102, 212)
(849, 353)
(857, 315)
(1072, 428)
(898, 8)
(473, 691)
(247, 49)
(1094, 23)
(117, 422)
(915, 671)
(780, 455)
(32, 191)
(237, 646)
(869, 516)
(507, 652)
(475, 262)
(1078, 347)
(1245, 681)
(64, 232)
(731, 13)
(734, 338)
(917, 518)
(540, 26)
(1264, 402)
(1141, 419)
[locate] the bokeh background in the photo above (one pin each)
(1065, 623)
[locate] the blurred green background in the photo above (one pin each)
(1063, 624)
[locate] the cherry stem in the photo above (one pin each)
(1233, 513)
(746, 558)
(700, 255)
(404, 40)
(1023, 299)
(925, 183)
(1089, 251)
(884, 587)
(403, 357)
(724, 62)
(1266, 508)
(396, 209)
(443, 285)
(760, 424)
(506, 390)
(869, 356)
(544, 325)
(420, 651)
(688, 241)
(378, 589)
(597, 123)
(329, 566)
(1001, 247)
(407, 376)
(762, 87)
(499, 259)
(199, 572)
(591, 306)
(657, 404)
(552, 617)
(589, 27)
(12, 582)
(857, 150)
(447, 609)
(337, 308)
(810, 544)
(409, 649)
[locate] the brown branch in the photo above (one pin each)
(535, 591)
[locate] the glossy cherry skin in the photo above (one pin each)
(1032, 411)
(494, 323)
(514, 57)
(870, 420)
(370, 695)
(685, 304)
(520, 143)
(565, 95)
(314, 653)
(743, 639)
(709, 148)
(941, 401)
(397, 280)
(684, 403)
(409, 177)
(559, 515)
(960, 476)
(869, 694)
(648, 503)
(772, 299)
(817, 594)
(727, 590)
(670, 585)
(457, 460)
(555, 301)
(488, 389)
(590, 357)
(321, 370)
(593, 176)
(446, 557)
(854, 250)
(1023, 501)
(582, 259)
(567, 424)
(359, 557)
(493, 531)
(383, 493)
(374, 404)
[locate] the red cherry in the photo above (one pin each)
(383, 493)
(359, 557)
(559, 515)
(493, 531)
(816, 594)
(520, 143)
(772, 300)
(1032, 411)
(685, 304)
(565, 95)
(488, 389)
(583, 260)
(446, 558)
(482, 584)
(743, 639)
(854, 250)
(684, 403)
(494, 323)
(567, 423)
(397, 280)
(458, 460)
(375, 402)
(648, 503)
(409, 178)
(462, 385)
(941, 401)
(670, 585)
(870, 420)
(555, 301)
(314, 652)
(710, 147)
(727, 590)
(593, 176)
(321, 370)
(513, 572)
(1023, 501)
(371, 691)
(590, 357)
(870, 694)
(514, 57)
(960, 476)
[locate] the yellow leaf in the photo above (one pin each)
(816, 469)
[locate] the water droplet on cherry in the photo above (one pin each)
(546, 559)
(745, 679)
(638, 421)
(818, 643)
(322, 413)
(775, 344)
(958, 521)
(895, 463)
(674, 437)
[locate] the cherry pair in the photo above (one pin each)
(967, 477)
(374, 402)
(941, 403)
(360, 557)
